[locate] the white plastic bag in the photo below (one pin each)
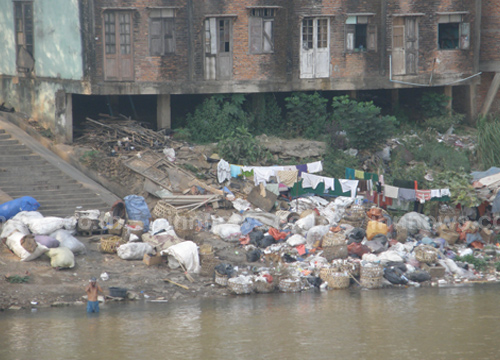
(316, 233)
(12, 226)
(414, 222)
(134, 251)
(27, 216)
(61, 258)
(304, 224)
(389, 256)
(228, 232)
(13, 242)
(160, 225)
(69, 241)
(185, 253)
(170, 154)
(236, 219)
(48, 225)
(296, 240)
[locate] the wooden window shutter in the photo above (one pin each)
(255, 24)
(169, 24)
(371, 41)
(465, 36)
(155, 39)
(350, 31)
(268, 41)
(213, 36)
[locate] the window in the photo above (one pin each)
(360, 35)
(452, 32)
(261, 27)
(23, 15)
(162, 32)
(224, 36)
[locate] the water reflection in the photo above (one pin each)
(440, 323)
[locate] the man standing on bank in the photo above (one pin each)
(92, 289)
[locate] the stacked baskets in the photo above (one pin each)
(220, 279)
(163, 210)
(426, 254)
(338, 280)
(240, 285)
(109, 244)
(355, 216)
(371, 276)
(334, 246)
(290, 284)
(207, 260)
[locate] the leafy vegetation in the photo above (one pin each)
(239, 146)
(306, 115)
(479, 264)
(90, 158)
(267, 118)
(488, 144)
(434, 104)
(17, 279)
(444, 122)
(459, 183)
(365, 127)
(336, 161)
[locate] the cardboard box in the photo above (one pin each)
(436, 272)
(152, 259)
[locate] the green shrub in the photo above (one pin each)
(479, 264)
(217, 115)
(434, 104)
(306, 115)
(488, 143)
(444, 122)
(441, 156)
(267, 115)
(238, 146)
(335, 162)
(181, 134)
(362, 122)
(459, 183)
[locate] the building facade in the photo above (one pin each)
(60, 48)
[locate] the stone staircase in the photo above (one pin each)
(26, 173)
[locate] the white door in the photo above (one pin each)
(315, 48)
(398, 48)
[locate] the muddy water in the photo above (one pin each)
(431, 323)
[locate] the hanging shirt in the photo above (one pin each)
(445, 192)
(349, 173)
(349, 185)
(435, 193)
(288, 177)
(329, 183)
(301, 168)
(407, 194)
(223, 171)
(235, 170)
(314, 167)
(391, 191)
(262, 174)
(358, 174)
(423, 195)
(311, 181)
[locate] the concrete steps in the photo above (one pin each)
(25, 173)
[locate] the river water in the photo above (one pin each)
(416, 323)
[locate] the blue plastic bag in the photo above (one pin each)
(137, 209)
(11, 208)
(248, 225)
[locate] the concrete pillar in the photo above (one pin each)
(394, 98)
(471, 103)
(163, 113)
(448, 91)
(68, 114)
(114, 105)
(490, 96)
(353, 94)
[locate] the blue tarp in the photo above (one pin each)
(11, 208)
(476, 175)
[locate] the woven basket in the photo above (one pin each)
(426, 254)
(450, 236)
(338, 280)
(290, 284)
(239, 288)
(110, 243)
(331, 239)
(220, 279)
(208, 266)
(264, 287)
(163, 210)
(135, 227)
(371, 282)
(335, 252)
(206, 249)
(374, 271)
(354, 268)
(324, 273)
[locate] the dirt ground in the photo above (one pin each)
(50, 287)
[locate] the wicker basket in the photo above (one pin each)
(355, 216)
(324, 273)
(354, 268)
(264, 287)
(220, 279)
(450, 236)
(374, 271)
(335, 252)
(208, 266)
(331, 239)
(236, 286)
(163, 210)
(290, 284)
(110, 243)
(426, 254)
(135, 227)
(371, 282)
(338, 280)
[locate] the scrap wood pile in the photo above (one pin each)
(114, 132)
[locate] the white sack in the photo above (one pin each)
(414, 222)
(228, 232)
(13, 242)
(389, 256)
(69, 241)
(27, 216)
(304, 224)
(241, 204)
(48, 225)
(185, 253)
(61, 258)
(236, 219)
(296, 240)
(160, 225)
(316, 233)
(134, 251)
(12, 226)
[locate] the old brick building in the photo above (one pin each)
(157, 49)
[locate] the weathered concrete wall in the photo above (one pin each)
(7, 38)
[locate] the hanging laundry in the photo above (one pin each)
(235, 170)
(391, 191)
(435, 193)
(314, 167)
(358, 174)
(289, 168)
(329, 184)
(311, 181)
(262, 174)
(349, 173)
(445, 192)
(349, 185)
(371, 176)
(301, 168)
(288, 177)
(407, 194)
(223, 171)
(423, 195)
(274, 188)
